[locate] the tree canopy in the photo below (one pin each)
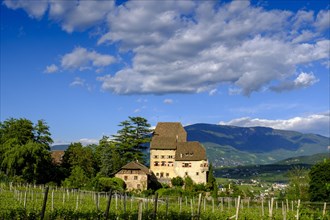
(25, 149)
(319, 186)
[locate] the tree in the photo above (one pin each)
(211, 184)
(109, 157)
(79, 156)
(177, 181)
(131, 139)
(298, 184)
(319, 185)
(24, 150)
(188, 183)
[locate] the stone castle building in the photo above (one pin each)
(171, 155)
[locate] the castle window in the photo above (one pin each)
(163, 163)
(125, 177)
(186, 173)
(135, 177)
(138, 186)
(197, 173)
(156, 156)
(170, 156)
(156, 163)
(157, 174)
(163, 156)
(186, 164)
(170, 164)
(167, 174)
(161, 174)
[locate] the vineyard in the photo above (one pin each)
(37, 202)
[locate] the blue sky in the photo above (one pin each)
(85, 66)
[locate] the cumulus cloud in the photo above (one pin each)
(316, 123)
(302, 81)
(35, 9)
(237, 43)
(192, 46)
(51, 69)
(80, 58)
(168, 101)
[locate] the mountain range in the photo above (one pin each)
(233, 146)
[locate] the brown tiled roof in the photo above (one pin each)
(166, 143)
(57, 156)
(190, 151)
(171, 129)
(167, 134)
(135, 165)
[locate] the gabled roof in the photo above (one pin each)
(166, 143)
(135, 165)
(167, 134)
(190, 151)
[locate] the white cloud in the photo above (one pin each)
(238, 43)
(323, 20)
(51, 69)
(168, 101)
(88, 141)
(316, 123)
(191, 46)
(78, 82)
(80, 58)
(35, 9)
(302, 81)
(213, 92)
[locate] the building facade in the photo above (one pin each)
(171, 155)
(136, 176)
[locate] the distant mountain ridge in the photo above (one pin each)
(231, 146)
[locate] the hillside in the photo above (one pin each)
(312, 159)
(232, 146)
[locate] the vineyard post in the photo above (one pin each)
(140, 210)
(222, 201)
(199, 205)
(237, 207)
(287, 204)
(77, 202)
(155, 206)
(262, 207)
(108, 205)
(324, 209)
(180, 204)
(42, 214)
(125, 198)
(116, 197)
(271, 207)
(25, 199)
(96, 201)
(298, 209)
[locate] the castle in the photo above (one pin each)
(171, 155)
